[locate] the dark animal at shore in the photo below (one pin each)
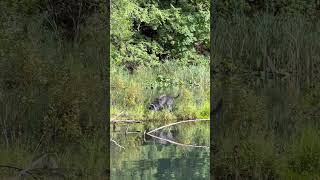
(164, 101)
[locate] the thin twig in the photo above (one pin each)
(129, 132)
(115, 142)
(133, 132)
(40, 142)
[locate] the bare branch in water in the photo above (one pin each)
(173, 142)
(186, 121)
(176, 143)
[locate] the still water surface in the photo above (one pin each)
(150, 159)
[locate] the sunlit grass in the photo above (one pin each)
(132, 93)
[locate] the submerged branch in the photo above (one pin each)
(176, 143)
(186, 121)
(173, 142)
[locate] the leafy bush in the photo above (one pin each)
(144, 34)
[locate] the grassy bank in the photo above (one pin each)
(132, 93)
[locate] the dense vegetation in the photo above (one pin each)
(266, 68)
(268, 130)
(160, 47)
(51, 80)
(51, 92)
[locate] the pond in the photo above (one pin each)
(146, 158)
(267, 128)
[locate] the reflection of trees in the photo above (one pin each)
(191, 135)
(153, 160)
(161, 162)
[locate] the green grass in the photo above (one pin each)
(132, 93)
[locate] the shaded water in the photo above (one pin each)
(148, 158)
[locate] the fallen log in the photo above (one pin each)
(173, 142)
(179, 122)
(126, 121)
(176, 143)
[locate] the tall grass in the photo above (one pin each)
(252, 143)
(284, 46)
(269, 82)
(51, 93)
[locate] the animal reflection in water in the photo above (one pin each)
(164, 135)
(165, 101)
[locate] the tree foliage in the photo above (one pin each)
(148, 33)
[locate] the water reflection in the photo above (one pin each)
(149, 158)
